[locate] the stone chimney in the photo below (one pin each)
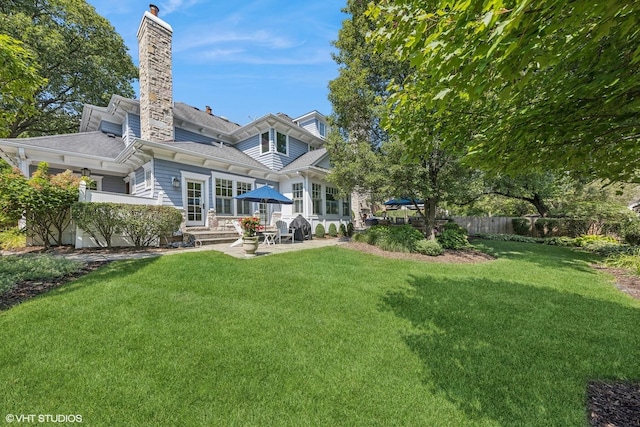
(156, 84)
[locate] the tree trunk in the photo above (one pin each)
(539, 204)
(430, 205)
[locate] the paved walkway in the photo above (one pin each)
(237, 251)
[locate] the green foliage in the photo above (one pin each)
(100, 220)
(320, 231)
(12, 238)
(19, 82)
(630, 260)
(518, 81)
(145, 225)
(454, 226)
(429, 247)
(14, 268)
(452, 239)
(547, 227)
(399, 238)
(508, 238)
(77, 50)
(350, 229)
(521, 226)
(333, 230)
(342, 230)
(44, 199)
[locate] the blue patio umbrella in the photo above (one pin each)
(265, 194)
(402, 202)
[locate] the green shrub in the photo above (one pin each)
(429, 247)
(452, 239)
(333, 230)
(399, 239)
(375, 234)
(342, 230)
(360, 237)
(101, 220)
(630, 232)
(350, 229)
(453, 226)
(630, 260)
(520, 226)
(145, 225)
(591, 240)
(560, 241)
(13, 238)
(320, 231)
(508, 238)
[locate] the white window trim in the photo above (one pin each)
(131, 179)
(96, 178)
(184, 176)
(235, 179)
(148, 167)
(286, 135)
(268, 132)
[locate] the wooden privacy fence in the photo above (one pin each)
(489, 224)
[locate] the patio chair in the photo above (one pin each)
(238, 227)
(283, 232)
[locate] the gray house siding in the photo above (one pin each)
(113, 184)
(109, 127)
(134, 125)
(186, 135)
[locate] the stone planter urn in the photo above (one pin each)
(250, 245)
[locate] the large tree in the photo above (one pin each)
(79, 53)
(365, 158)
(530, 84)
(19, 82)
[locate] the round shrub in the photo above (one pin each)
(350, 229)
(320, 230)
(429, 247)
(333, 230)
(450, 239)
(455, 227)
(342, 230)
(400, 239)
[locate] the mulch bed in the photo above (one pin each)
(613, 404)
(30, 288)
(609, 404)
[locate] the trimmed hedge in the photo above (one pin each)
(144, 225)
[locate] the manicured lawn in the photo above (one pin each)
(323, 337)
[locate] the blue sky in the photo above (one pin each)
(243, 58)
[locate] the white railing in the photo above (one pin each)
(87, 195)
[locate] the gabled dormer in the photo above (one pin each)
(315, 123)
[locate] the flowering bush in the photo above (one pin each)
(250, 225)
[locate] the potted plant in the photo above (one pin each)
(250, 225)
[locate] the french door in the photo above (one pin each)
(195, 203)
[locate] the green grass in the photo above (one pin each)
(323, 337)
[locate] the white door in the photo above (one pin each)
(195, 203)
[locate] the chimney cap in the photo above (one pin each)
(154, 9)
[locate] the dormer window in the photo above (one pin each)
(264, 143)
(322, 129)
(282, 143)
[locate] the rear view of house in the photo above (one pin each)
(158, 151)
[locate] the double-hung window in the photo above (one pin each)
(264, 142)
(243, 207)
(346, 206)
(282, 143)
(331, 194)
(298, 197)
(224, 193)
(316, 198)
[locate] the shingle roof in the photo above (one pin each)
(96, 144)
(222, 152)
(306, 160)
(194, 115)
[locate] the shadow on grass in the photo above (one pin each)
(547, 256)
(521, 355)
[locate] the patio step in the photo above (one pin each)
(205, 236)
